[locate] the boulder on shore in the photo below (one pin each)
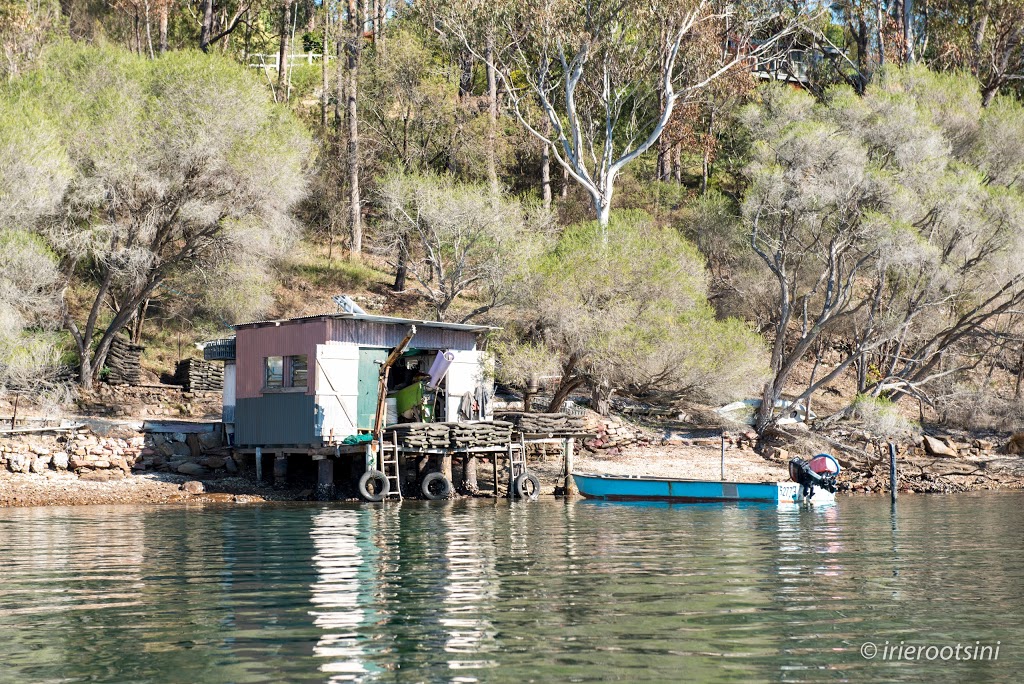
(937, 447)
(192, 469)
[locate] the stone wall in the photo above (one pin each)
(146, 401)
(90, 456)
(99, 458)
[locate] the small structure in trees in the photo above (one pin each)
(312, 381)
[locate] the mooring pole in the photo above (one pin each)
(892, 471)
(723, 455)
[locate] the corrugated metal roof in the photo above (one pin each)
(388, 320)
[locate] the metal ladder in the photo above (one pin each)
(516, 465)
(389, 466)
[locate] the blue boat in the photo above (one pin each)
(634, 488)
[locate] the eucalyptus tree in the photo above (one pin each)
(626, 309)
(597, 82)
(174, 166)
(34, 173)
(889, 221)
(459, 240)
(984, 38)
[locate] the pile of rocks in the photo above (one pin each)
(613, 433)
(193, 454)
(705, 438)
(123, 364)
(98, 458)
(196, 375)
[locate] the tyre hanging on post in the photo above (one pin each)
(527, 487)
(374, 486)
(436, 486)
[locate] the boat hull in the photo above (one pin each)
(625, 488)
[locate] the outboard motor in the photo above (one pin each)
(822, 472)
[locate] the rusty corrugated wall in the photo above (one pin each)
(374, 334)
(252, 345)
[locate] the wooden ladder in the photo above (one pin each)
(389, 466)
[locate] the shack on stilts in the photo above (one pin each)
(383, 405)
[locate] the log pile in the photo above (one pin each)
(480, 434)
(545, 423)
(419, 435)
(123, 362)
(196, 375)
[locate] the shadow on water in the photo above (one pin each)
(492, 591)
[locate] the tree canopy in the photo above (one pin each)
(150, 169)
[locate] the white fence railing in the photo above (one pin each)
(261, 61)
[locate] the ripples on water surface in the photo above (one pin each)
(492, 592)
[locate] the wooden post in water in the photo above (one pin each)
(259, 464)
(893, 484)
(568, 446)
(723, 456)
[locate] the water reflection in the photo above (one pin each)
(471, 591)
(498, 592)
(341, 560)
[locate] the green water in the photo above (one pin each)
(497, 592)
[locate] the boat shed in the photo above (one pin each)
(313, 381)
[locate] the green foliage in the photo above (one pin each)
(340, 275)
(457, 239)
(313, 42)
(29, 305)
(626, 308)
(171, 168)
(891, 221)
(306, 79)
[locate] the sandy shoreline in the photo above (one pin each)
(67, 489)
(54, 488)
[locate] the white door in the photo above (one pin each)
(337, 384)
(229, 393)
(464, 375)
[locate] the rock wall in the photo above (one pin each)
(98, 458)
(90, 456)
(151, 401)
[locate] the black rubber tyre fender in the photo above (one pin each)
(436, 479)
(380, 479)
(527, 486)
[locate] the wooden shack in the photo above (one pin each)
(312, 381)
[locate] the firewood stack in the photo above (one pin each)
(123, 362)
(196, 375)
(545, 423)
(480, 434)
(419, 435)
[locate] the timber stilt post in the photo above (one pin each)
(893, 484)
(723, 456)
(325, 480)
(280, 468)
(568, 447)
(259, 464)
